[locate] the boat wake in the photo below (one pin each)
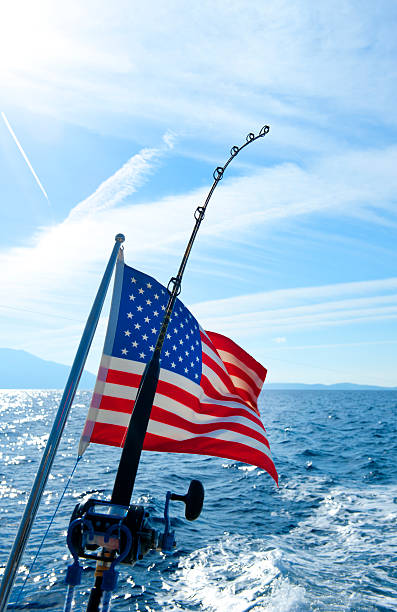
(236, 574)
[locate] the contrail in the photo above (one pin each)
(124, 181)
(25, 157)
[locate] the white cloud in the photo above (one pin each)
(294, 297)
(72, 253)
(61, 259)
(337, 345)
(121, 184)
(301, 308)
(170, 139)
(170, 66)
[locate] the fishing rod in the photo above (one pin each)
(129, 461)
(114, 532)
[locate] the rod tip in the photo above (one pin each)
(120, 237)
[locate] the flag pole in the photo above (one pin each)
(57, 430)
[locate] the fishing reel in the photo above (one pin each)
(99, 529)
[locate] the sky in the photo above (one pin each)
(113, 118)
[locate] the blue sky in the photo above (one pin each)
(124, 109)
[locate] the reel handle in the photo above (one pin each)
(193, 500)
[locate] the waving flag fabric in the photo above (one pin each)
(206, 399)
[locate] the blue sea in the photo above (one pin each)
(325, 539)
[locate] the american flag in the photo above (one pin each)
(206, 398)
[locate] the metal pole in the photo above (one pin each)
(57, 429)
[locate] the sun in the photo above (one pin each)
(28, 37)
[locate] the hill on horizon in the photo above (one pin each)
(320, 387)
(22, 370)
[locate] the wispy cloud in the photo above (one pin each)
(73, 249)
(295, 296)
(336, 345)
(25, 157)
(302, 308)
(281, 48)
(123, 182)
(67, 254)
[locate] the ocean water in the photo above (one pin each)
(325, 539)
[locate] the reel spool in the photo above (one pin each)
(98, 527)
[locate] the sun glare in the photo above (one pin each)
(28, 40)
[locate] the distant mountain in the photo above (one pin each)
(22, 370)
(318, 387)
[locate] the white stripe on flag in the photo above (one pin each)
(230, 358)
(176, 433)
(176, 408)
(121, 419)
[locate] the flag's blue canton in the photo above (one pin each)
(142, 308)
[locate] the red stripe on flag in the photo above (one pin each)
(168, 418)
(211, 392)
(211, 446)
(222, 375)
(128, 379)
(114, 435)
(104, 433)
(205, 339)
(226, 344)
(216, 410)
(176, 393)
(234, 370)
(203, 406)
(117, 404)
